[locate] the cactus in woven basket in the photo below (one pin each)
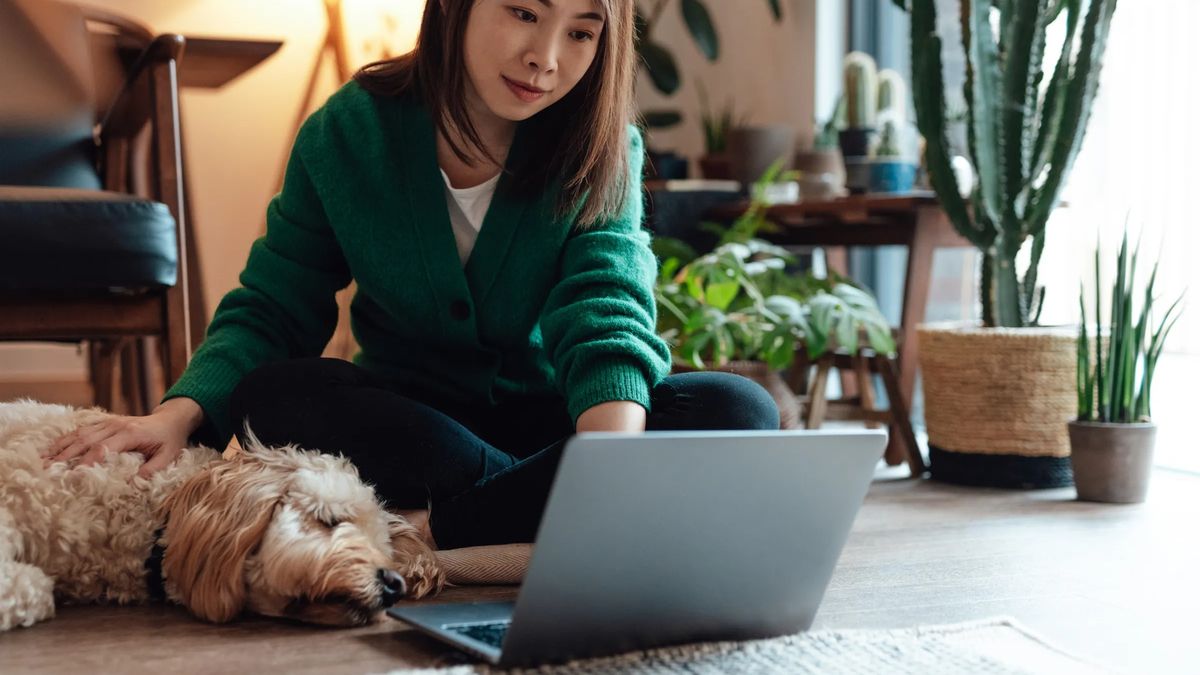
(1023, 136)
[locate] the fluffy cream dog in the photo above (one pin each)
(275, 531)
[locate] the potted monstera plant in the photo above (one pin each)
(998, 395)
(1112, 438)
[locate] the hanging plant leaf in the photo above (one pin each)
(776, 9)
(699, 22)
(661, 66)
(661, 119)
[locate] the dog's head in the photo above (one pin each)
(280, 532)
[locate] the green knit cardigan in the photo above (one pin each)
(540, 307)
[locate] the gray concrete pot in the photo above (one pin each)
(752, 150)
(1111, 462)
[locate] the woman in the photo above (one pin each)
(504, 302)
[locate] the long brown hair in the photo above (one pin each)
(582, 138)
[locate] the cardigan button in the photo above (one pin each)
(459, 309)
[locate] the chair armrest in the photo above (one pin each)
(163, 49)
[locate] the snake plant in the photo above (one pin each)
(1116, 388)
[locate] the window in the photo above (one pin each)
(1140, 159)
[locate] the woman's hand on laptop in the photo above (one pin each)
(159, 436)
(612, 416)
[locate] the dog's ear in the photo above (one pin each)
(215, 520)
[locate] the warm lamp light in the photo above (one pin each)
(371, 30)
(358, 32)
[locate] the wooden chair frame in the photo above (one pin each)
(138, 141)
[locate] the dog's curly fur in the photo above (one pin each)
(274, 531)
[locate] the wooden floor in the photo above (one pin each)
(1117, 584)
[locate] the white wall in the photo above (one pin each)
(765, 68)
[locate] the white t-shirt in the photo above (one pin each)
(467, 207)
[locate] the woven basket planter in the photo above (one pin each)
(789, 407)
(997, 403)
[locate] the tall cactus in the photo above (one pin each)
(1023, 137)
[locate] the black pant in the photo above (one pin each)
(484, 471)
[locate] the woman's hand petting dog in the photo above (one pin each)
(159, 436)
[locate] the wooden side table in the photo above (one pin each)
(915, 221)
(212, 63)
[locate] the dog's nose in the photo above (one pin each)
(393, 586)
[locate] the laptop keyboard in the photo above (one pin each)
(487, 633)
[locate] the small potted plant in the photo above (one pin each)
(822, 172)
(860, 82)
(1112, 440)
(715, 162)
(891, 171)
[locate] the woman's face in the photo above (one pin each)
(524, 55)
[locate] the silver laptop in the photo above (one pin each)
(669, 538)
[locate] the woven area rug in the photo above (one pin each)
(992, 646)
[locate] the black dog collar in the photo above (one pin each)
(154, 577)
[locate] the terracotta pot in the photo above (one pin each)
(1112, 462)
(716, 166)
(752, 150)
(822, 174)
(785, 399)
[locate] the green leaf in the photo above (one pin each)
(785, 307)
(847, 333)
(694, 323)
(693, 350)
(720, 294)
(1084, 377)
(722, 348)
(666, 248)
(700, 24)
(880, 339)
(661, 66)
(821, 314)
(669, 266)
